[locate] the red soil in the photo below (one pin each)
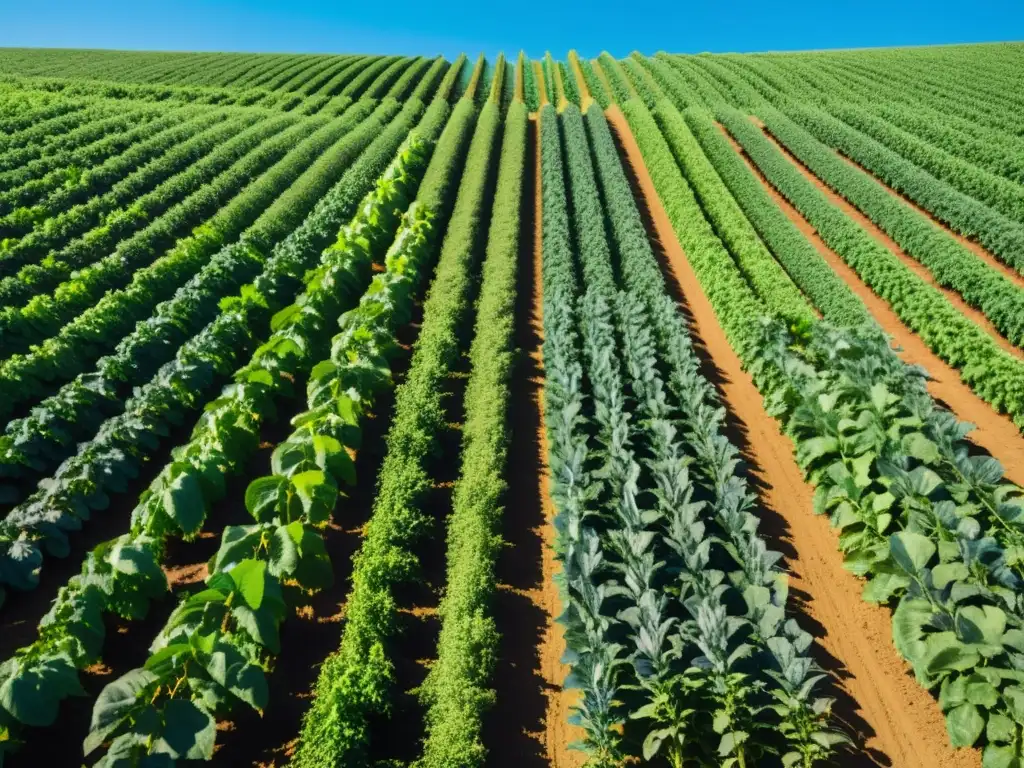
(976, 316)
(897, 721)
(976, 248)
(558, 733)
(995, 433)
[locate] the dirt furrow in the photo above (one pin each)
(529, 726)
(995, 433)
(976, 248)
(976, 316)
(538, 76)
(897, 721)
(581, 84)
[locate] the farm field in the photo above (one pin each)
(370, 410)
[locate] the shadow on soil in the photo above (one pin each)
(773, 527)
(513, 730)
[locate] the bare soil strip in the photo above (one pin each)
(528, 727)
(976, 248)
(538, 76)
(976, 316)
(995, 432)
(581, 84)
(556, 74)
(898, 722)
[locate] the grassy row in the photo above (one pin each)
(768, 279)
(1000, 234)
(355, 682)
(456, 689)
(826, 290)
(914, 509)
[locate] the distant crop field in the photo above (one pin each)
(369, 410)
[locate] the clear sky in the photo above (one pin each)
(448, 28)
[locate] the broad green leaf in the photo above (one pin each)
(237, 543)
(881, 397)
(32, 694)
(920, 447)
(813, 449)
(184, 504)
(1014, 697)
(114, 704)
(981, 624)
(883, 586)
(332, 457)
(1000, 728)
(314, 569)
(998, 756)
(189, 733)
(911, 551)
(944, 652)
(248, 577)
(162, 662)
(136, 559)
(267, 498)
(965, 725)
(318, 494)
(244, 680)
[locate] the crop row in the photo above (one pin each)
(934, 529)
(995, 375)
(645, 487)
(457, 690)
(25, 187)
(116, 451)
(66, 225)
(355, 683)
(266, 210)
(178, 500)
(953, 265)
(236, 617)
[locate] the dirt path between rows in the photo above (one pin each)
(556, 74)
(897, 721)
(976, 248)
(995, 433)
(542, 87)
(976, 316)
(529, 726)
(581, 84)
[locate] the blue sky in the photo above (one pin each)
(402, 26)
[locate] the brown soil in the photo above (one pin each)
(529, 727)
(898, 722)
(559, 88)
(538, 76)
(976, 248)
(976, 316)
(995, 433)
(314, 630)
(581, 84)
